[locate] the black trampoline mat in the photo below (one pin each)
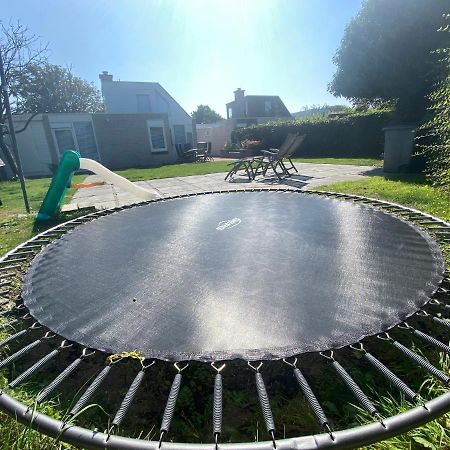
(255, 275)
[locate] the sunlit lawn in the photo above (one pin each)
(407, 189)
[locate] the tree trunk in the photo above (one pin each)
(10, 161)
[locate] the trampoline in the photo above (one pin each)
(255, 275)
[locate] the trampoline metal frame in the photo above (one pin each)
(348, 438)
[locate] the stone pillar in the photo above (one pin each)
(398, 147)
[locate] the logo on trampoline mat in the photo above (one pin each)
(228, 224)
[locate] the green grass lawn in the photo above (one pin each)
(345, 161)
(408, 190)
(15, 225)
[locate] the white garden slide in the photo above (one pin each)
(116, 180)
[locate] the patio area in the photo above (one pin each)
(309, 176)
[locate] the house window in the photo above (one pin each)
(157, 137)
(65, 139)
(143, 103)
(86, 140)
(230, 112)
(179, 134)
(268, 107)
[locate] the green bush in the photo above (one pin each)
(434, 140)
(353, 136)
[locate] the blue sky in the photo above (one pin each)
(199, 50)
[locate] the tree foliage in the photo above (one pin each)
(19, 49)
(435, 138)
(47, 88)
(385, 54)
(204, 114)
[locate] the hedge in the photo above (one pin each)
(434, 137)
(357, 135)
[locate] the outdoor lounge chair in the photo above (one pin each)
(204, 154)
(299, 140)
(241, 164)
(273, 158)
(185, 155)
(247, 164)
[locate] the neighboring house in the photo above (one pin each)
(139, 129)
(118, 141)
(127, 97)
(250, 108)
(243, 111)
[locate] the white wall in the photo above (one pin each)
(33, 147)
(120, 97)
(217, 133)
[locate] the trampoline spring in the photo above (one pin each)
(390, 376)
(13, 336)
(217, 403)
(217, 407)
(10, 324)
(421, 361)
(128, 399)
(425, 221)
(14, 260)
(310, 397)
(34, 368)
(170, 406)
(11, 266)
(265, 406)
(5, 283)
(444, 322)
(24, 252)
(10, 359)
(33, 245)
(6, 311)
(90, 391)
(58, 380)
(7, 275)
(354, 388)
(431, 340)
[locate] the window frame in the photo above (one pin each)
(63, 127)
(157, 124)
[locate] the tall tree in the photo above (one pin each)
(20, 49)
(385, 54)
(46, 88)
(204, 114)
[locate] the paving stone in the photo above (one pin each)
(309, 175)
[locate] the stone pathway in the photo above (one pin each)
(309, 176)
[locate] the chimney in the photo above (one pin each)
(105, 76)
(239, 94)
